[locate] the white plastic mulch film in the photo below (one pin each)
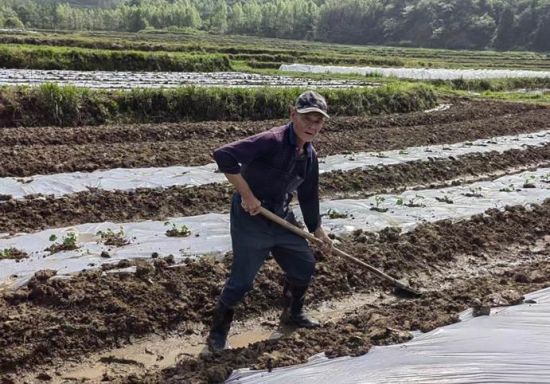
(124, 179)
(210, 233)
(509, 346)
(416, 73)
(128, 80)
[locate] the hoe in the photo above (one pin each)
(400, 287)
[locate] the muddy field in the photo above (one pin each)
(147, 324)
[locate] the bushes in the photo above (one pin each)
(14, 56)
(70, 106)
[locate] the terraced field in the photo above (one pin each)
(453, 200)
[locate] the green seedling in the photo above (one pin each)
(117, 239)
(377, 201)
(445, 199)
(334, 214)
(545, 178)
(403, 152)
(509, 188)
(415, 202)
(380, 155)
(474, 192)
(13, 253)
(174, 231)
(68, 243)
(530, 182)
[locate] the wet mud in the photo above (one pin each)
(53, 318)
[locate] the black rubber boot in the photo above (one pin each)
(221, 323)
(293, 312)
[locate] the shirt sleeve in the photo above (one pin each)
(231, 156)
(308, 196)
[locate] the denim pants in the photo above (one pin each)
(253, 237)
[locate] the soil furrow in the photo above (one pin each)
(55, 318)
(43, 212)
(349, 135)
(461, 110)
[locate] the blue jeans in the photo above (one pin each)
(253, 237)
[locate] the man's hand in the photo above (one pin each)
(250, 204)
(326, 246)
(248, 201)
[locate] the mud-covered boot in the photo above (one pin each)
(293, 312)
(221, 323)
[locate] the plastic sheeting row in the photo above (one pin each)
(210, 233)
(127, 80)
(509, 346)
(416, 73)
(129, 179)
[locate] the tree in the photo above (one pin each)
(541, 41)
(218, 20)
(504, 37)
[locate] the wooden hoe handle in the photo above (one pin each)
(308, 236)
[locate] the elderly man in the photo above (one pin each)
(266, 169)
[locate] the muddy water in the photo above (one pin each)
(128, 80)
(158, 352)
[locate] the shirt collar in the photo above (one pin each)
(292, 140)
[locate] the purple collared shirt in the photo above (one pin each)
(270, 164)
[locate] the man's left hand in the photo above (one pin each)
(326, 245)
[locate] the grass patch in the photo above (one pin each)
(12, 254)
(256, 50)
(494, 85)
(50, 104)
(32, 57)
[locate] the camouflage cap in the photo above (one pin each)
(311, 101)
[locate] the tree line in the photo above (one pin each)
(455, 24)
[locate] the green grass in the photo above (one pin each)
(38, 57)
(539, 98)
(256, 51)
(493, 85)
(51, 104)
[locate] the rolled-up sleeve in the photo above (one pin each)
(308, 197)
(232, 156)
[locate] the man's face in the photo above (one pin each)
(307, 125)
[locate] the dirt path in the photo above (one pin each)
(192, 144)
(41, 212)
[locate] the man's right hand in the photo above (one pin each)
(248, 201)
(251, 205)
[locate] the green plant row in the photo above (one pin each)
(51, 104)
(32, 57)
(269, 50)
(494, 85)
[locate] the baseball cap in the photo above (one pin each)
(311, 101)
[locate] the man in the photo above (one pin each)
(266, 169)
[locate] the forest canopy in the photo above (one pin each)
(455, 24)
